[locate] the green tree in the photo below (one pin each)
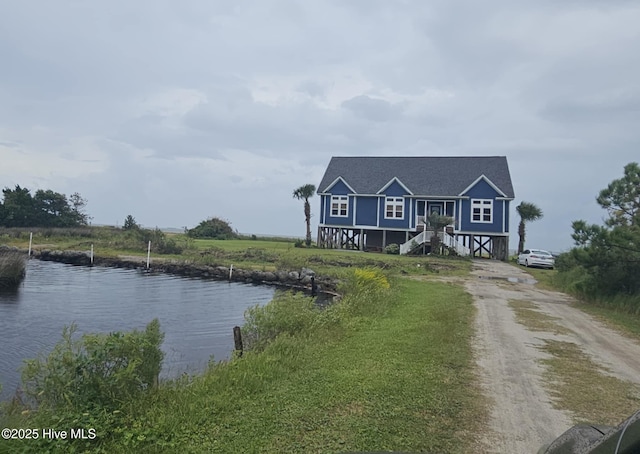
(46, 208)
(19, 207)
(528, 212)
(78, 204)
(437, 223)
(130, 223)
(304, 193)
(622, 198)
(608, 257)
(52, 209)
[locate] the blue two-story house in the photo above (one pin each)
(368, 203)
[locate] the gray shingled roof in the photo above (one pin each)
(432, 176)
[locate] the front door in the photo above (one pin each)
(435, 208)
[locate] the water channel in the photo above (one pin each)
(197, 316)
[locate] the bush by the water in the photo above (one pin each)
(366, 292)
(12, 268)
(288, 313)
(96, 371)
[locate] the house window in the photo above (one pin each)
(394, 208)
(482, 210)
(339, 206)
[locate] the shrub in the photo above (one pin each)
(96, 370)
(138, 239)
(298, 243)
(392, 248)
(288, 313)
(366, 292)
(214, 228)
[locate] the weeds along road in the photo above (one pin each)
(523, 415)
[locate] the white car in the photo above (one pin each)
(537, 257)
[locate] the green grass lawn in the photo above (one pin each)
(401, 382)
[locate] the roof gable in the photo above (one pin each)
(391, 182)
(486, 180)
(421, 176)
(334, 182)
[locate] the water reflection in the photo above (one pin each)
(196, 316)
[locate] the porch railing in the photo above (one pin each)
(425, 236)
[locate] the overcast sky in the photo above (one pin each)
(175, 111)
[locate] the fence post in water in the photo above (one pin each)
(148, 254)
(30, 241)
(92, 254)
(237, 339)
(230, 271)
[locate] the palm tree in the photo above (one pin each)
(304, 192)
(437, 222)
(528, 212)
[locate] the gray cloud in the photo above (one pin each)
(173, 112)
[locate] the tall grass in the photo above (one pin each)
(13, 266)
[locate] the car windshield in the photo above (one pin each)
(538, 252)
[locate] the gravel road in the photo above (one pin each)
(522, 416)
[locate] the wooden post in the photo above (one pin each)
(237, 339)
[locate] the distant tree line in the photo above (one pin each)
(45, 208)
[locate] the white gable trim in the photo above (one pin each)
(334, 183)
(384, 188)
(483, 177)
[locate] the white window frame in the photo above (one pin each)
(483, 210)
(342, 204)
(397, 207)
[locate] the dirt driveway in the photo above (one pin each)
(522, 415)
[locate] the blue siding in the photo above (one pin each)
(337, 189)
(340, 189)
(395, 190)
(482, 190)
(366, 211)
(338, 220)
(394, 223)
(363, 211)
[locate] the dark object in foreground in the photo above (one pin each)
(13, 265)
(593, 439)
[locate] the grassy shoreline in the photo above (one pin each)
(12, 268)
(387, 370)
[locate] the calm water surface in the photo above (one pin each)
(197, 316)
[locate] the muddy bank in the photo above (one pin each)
(298, 280)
